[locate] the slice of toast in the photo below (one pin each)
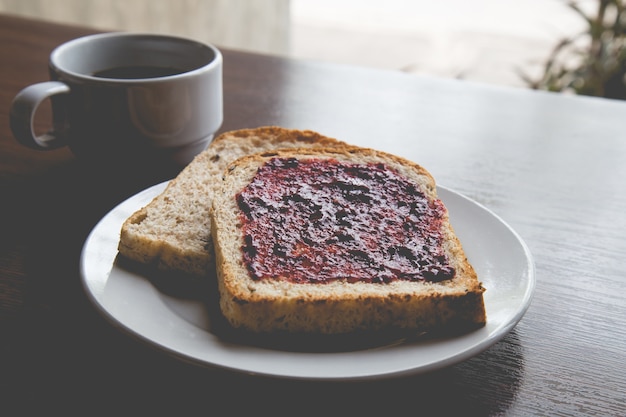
(335, 241)
(173, 231)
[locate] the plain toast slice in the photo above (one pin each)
(266, 219)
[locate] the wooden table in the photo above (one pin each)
(552, 166)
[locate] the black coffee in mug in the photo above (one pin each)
(115, 99)
(137, 72)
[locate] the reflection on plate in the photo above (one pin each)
(188, 326)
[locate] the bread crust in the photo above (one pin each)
(339, 306)
(173, 232)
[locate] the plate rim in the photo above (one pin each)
(469, 351)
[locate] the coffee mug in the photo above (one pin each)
(127, 96)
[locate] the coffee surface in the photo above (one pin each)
(137, 72)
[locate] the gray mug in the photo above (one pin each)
(127, 96)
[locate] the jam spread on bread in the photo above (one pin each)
(319, 220)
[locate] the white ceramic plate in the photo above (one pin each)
(182, 326)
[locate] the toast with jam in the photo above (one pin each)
(173, 232)
(338, 240)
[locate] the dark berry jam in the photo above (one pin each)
(315, 221)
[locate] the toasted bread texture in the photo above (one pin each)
(173, 231)
(339, 305)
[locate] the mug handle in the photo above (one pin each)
(23, 111)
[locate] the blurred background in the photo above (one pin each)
(572, 46)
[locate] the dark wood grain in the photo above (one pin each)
(552, 166)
